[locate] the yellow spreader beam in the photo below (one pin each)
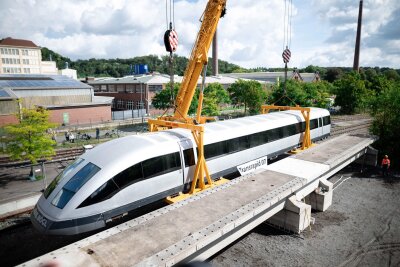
(201, 170)
(306, 115)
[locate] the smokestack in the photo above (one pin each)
(215, 54)
(356, 65)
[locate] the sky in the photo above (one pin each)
(251, 34)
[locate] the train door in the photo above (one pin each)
(321, 127)
(187, 159)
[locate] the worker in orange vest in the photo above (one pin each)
(385, 165)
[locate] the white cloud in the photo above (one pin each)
(250, 35)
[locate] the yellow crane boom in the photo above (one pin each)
(198, 58)
(215, 9)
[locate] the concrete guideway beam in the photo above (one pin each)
(223, 214)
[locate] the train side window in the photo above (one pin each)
(81, 177)
(326, 120)
(313, 124)
(320, 122)
(215, 150)
(244, 143)
(303, 126)
(291, 129)
(189, 157)
(232, 145)
(256, 139)
(129, 176)
(273, 134)
(161, 165)
(104, 192)
(298, 127)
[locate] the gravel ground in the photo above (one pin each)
(361, 228)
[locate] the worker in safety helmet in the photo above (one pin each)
(385, 165)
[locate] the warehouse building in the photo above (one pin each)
(70, 102)
(273, 77)
(136, 92)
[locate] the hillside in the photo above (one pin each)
(120, 67)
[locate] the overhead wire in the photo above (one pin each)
(166, 12)
(290, 23)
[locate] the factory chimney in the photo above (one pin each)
(215, 54)
(356, 65)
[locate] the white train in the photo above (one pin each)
(129, 172)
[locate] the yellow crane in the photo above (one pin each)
(215, 9)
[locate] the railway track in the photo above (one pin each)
(357, 128)
(61, 155)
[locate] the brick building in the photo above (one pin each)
(136, 92)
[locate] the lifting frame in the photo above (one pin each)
(306, 115)
(201, 166)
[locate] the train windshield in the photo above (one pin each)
(61, 176)
(74, 184)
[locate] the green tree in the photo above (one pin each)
(164, 100)
(333, 74)
(386, 122)
(248, 93)
(351, 94)
(392, 75)
(29, 139)
(214, 96)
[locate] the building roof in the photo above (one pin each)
(271, 77)
(39, 82)
(156, 79)
(17, 42)
(7, 94)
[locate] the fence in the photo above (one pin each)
(128, 114)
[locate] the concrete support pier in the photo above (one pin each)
(295, 217)
(321, 198)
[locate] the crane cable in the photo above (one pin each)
(287, 37)
(170, 42)
(287, 24)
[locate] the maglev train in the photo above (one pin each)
(123, 174)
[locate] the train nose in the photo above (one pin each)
(39, 221)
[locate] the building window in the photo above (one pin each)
(120, 88)
(103, 88)
(120, 104)
(130, 88)
(129, 104)
(155, 88)
(111, 88)
(27, 70)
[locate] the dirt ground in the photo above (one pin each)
(361, 228)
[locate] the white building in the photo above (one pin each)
(23, 57)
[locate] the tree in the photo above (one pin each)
(29, 139)
(386, 122)
(214, 96)
(164, 100)
(392, 75)
(351, 93)
(333, 74)
(248, 93)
